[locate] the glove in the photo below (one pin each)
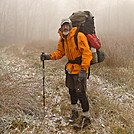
(44, 57)
(82, 75)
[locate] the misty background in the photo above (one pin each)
(34, 20)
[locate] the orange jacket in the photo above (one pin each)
(71, 51)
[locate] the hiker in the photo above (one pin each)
(76, 69)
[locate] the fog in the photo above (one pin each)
(33, 20)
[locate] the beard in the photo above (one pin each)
(66, 32)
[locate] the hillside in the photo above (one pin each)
(110, 92)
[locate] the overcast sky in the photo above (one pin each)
(40, 19)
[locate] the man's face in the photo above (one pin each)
(65, 27)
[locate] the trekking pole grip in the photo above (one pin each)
(43, 66)
(43, 61)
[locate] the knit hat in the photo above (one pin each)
(67, 20)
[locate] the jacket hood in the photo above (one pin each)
(71, 33)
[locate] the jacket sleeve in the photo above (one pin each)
(59, 53)
(84, 49)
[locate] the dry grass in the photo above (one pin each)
(110, 92)
(109, 114)
(119, 51)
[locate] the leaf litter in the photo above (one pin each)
(21, 95)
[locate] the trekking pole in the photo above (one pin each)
(43, 66)
(43, 84)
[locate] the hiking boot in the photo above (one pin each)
(74, 117)
(84, 121)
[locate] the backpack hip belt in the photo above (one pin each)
(76, 61)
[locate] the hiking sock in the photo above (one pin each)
(74, 107)
(86, 114)
(74, 114)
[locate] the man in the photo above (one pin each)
(79, 58)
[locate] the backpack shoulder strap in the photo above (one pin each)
(76, 42)
(62, 40)
(75, 37)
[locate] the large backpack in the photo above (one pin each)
(84, 20)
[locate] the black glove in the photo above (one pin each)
(44, 57)
(82, 75)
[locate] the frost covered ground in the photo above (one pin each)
(110, 92)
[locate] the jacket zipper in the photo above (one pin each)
(69, 54)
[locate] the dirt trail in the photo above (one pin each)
(21, 96)
(21, 91)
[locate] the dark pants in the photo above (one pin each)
(77, 91)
